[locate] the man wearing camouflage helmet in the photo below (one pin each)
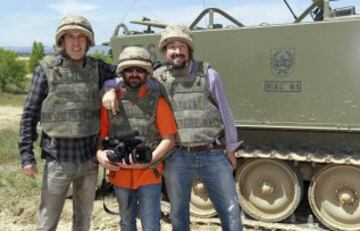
(202, 112)
(65, 98)
(145, 111)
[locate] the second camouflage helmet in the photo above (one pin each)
(74, 23)
(134, 57)
(175, 32)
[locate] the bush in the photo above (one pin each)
(37, 53)
(12, 71)
(101, 55)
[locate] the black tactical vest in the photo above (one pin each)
(72, 106)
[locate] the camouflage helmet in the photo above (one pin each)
(176, 32)
(74, 23)
(134, 57)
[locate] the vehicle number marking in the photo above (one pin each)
(282, 86)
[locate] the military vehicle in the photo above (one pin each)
(294, 90)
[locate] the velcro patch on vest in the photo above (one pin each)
(136, 111)
(190, 104)
(188, 85)
(70, 76)
(71, 115)
(197, 123)
(75, 96)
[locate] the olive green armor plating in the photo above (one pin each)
(71, 108)
(137, 114)
(197, 117)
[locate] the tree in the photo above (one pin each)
(103, 56)
(12, 71)
(37, 53)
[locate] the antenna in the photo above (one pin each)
(128, 10)
(292, 12)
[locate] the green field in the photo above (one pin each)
(12, 179)
(11, 99)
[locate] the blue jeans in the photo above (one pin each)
(148, 197)
(215, 171)
(57, 177)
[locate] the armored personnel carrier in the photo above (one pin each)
(294, 90)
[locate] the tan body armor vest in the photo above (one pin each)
(137, 114)
(198, 118)
(72, 106)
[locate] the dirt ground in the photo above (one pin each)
(22, 217)
(20, 214)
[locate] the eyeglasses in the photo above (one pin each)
(136, 69)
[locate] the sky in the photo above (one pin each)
(23, 21)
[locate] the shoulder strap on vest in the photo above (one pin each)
(201, 73)
(202, 67)
(161, 73)
(46, 63)
(91, 60)
(202, 70)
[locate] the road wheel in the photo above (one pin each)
(200, 204)
(334, 197)
(268, 190)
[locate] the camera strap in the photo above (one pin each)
(102, 191)
(157, 173)
(107, 210)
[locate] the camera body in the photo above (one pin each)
(123, 145)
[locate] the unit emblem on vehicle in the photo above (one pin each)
(282, 61)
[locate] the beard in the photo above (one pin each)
(179, 65)
(130, 83)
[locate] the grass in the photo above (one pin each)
(13, 182)
(12, 179)
(9, 152)
(10, 99)
(9, 138)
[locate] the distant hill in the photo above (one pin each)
(26, 51)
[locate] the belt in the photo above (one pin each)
(197, 148)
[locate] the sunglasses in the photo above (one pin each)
(136, 69)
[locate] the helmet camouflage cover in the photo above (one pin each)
(74, 23)
(175, 32)
(134, 57)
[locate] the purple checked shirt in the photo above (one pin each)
(215, 91)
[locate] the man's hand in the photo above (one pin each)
(132, 165)
(231, 158)
(109, 100)
(30, 170)
(104, 161)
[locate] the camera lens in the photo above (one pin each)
(142, 155)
